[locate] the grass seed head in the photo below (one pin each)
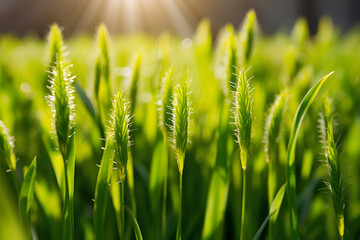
(226, 59)
(248, 32)
(121, 133)
(335, 183)
(61, 100)
(243, 114)
(7, 156)
(165, 100)
(56, 44)
(300, 34)
(273, 124)
(181, 119)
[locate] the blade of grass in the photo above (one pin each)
(27, 195)
(134, 223)
(156, 179)
(102, 188)
(291, 177)
(220, 181)
(90, 108)
(273, 212)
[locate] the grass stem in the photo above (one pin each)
(178, 232)
(243, 205)
(122, 209)
(166, 166)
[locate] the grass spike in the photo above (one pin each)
(243, 114)
(121, 133)
(165, 99)
(273, 124)
(56, 45)
(248, 32)
(335, 183)
(62, 104)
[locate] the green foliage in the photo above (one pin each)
(209, 201)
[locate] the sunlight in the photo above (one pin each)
(136, 15)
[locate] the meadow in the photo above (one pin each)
(227, 136)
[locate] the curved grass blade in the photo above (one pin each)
(273, 212)
(90, 108)
(102, 188)
(85, 99)
(134, 223)
(27, 195)
(291, 177)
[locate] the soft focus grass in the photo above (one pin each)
(278, 62)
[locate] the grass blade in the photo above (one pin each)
(102, 188)
(134, 223)
(85, 99)
(27, 195)
(273, 212)
(220, 181)
(291, 177)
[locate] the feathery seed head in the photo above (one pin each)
(56, 45)
(165, 100)
(203, 40)
(273, 124)
(181, 119)
(248, 32)
(61, 100)
(121, 133)
(243, 114)
(335, 183)
(226, 59)
(7, 156)
(231, 62)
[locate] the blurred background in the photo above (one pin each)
(22, 17)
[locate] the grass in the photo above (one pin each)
(149, 190)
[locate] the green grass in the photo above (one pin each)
(132, 189)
